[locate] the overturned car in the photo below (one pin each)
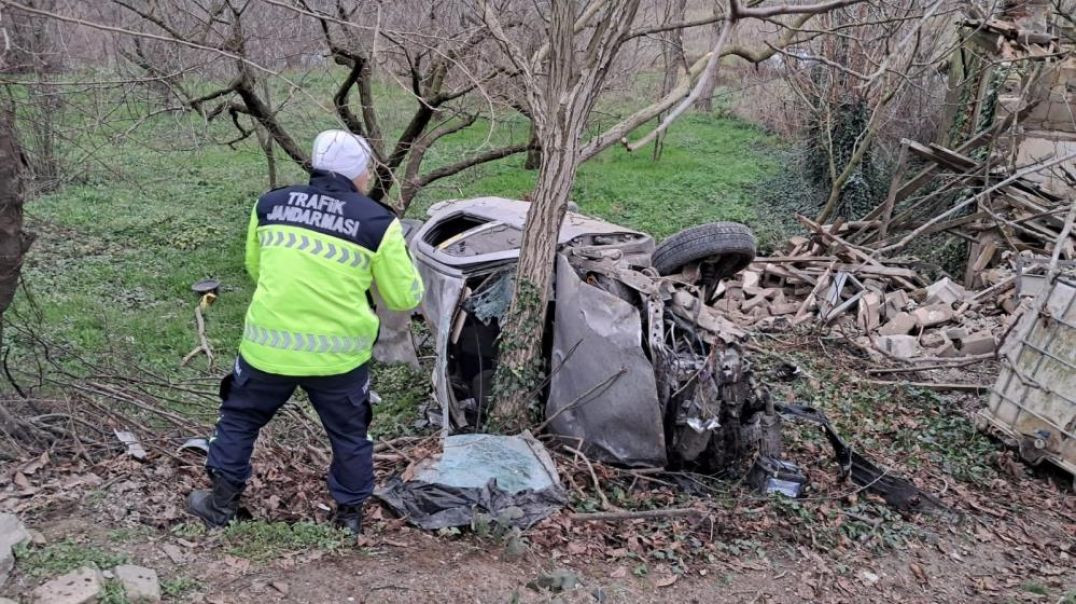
(642, 372)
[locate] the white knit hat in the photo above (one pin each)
(342, 152)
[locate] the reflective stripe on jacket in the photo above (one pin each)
(314, 251)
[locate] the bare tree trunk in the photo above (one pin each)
(13, 240)
(561, 103)
(521, 340)
(672, 58)
(706, 97)
(266, 141)
(559, 120)
(534, 150)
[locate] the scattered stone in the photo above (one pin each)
(174, 553)
(7, 601)
(280, 586)
(515, 549)
(869, 578)
(37, 538)
(12, 533)
(140, 583)
(901, 347)
(900, 324)
(934, 314)
(78, 587)
(559, 580)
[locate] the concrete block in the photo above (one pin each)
(933, 314)
(79, 587)
(896, 302)
(956, 333)
(869, 315)
(900, 324)
(933, 339)
(945, 291)
(785, 308)
(980, 342)
(139, 583)
(750, 305)
(901, 347)
(12, 533)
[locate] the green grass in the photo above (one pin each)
(113, 593)
(1035, 588)
(403, 389)
(177, 587)
(63, 557)
(259, 540)
(166, 205)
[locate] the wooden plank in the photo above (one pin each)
(851, 248)
(891, 197)
(782, 259)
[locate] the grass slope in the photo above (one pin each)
(116, 255)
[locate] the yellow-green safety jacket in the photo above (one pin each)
(314, 251)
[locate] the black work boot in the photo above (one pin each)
(349, 517)
(216, 507)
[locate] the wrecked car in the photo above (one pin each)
(641, 371)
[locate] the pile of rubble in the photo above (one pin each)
(884, 303)
(1006, 190)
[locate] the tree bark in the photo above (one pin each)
(534, 150)
(13, 240)
(520, 345)
(672, 58)
(561, 103)
(559, 120)
(706, 97)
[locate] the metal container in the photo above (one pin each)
(1033, 404)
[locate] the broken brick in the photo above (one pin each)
(934, 314)
(900, 324)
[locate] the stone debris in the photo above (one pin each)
(78, 587)
(139, 583)
(12, 533)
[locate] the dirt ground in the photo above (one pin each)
(1007, 532)
(983, 559)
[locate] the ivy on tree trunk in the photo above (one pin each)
(14, 242)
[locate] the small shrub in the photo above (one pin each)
(260, 540)
(64, 557)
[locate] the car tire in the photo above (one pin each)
(729, 246)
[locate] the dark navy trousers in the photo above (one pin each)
(250, 398)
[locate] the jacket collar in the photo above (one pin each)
(332, 182)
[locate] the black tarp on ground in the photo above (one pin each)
(507, 480)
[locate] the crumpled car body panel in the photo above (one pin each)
(602, 384)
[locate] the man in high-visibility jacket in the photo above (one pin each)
(314, 250)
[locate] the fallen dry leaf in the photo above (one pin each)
(919, 573)
(666, 581)
(21, 481)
